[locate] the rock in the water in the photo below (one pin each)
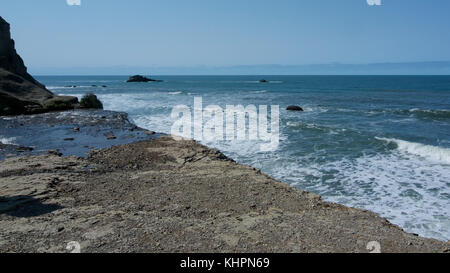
(150, 133)
(20, 93)
(263, 81)
(139, 78)
(90, 101)
(295, 108)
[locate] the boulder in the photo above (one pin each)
(90, 101)
(139, 78)
(294, 108)
(263, 81)
(59, 103)
(20, 93)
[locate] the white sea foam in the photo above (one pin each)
(439, 111)
(410, 192)
(408, 185)
(58, 87)
(7, 140)
(432, 153)
(67, 87)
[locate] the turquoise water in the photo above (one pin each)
(380, 143)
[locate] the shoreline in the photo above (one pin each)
(124, 197)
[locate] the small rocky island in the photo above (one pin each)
(139, 78)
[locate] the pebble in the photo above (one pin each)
(54, 152)
(111, 136)
(22, 149)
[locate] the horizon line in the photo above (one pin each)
(243, 75)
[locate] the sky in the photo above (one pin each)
(182, 33)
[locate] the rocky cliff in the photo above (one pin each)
(20, 93)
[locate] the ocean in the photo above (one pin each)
(380, 143)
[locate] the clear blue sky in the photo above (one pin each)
(227, 32)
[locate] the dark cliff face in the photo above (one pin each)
(9, 59)
(20, 93)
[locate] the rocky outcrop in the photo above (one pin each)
(139, 78)
(9, 59)
(20, 93)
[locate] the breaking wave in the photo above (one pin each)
(432, 153)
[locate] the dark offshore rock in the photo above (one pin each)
(20, 93)
(263, 81)
(295, 108)
(139, 78)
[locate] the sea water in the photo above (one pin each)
(380, 143)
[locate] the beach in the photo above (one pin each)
(166, 195)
